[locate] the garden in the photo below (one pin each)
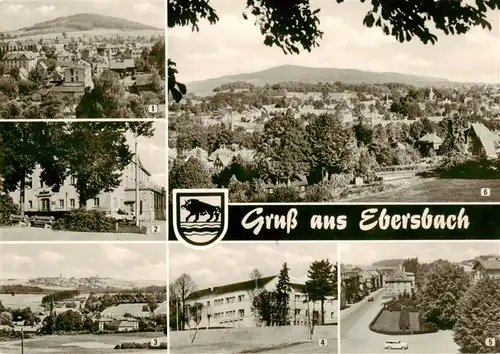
(401, 315)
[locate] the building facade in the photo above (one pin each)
(399, 282)
(484, 268)
(20, 60)
(152, 198)
(231, 305)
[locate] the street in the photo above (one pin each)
(356, 336)
(40, 234)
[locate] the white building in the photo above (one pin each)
(231, 305)
(484, 268)
(399, 281)
(40, 198)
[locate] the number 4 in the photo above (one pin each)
(322, 342)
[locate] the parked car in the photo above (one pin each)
(395, 344)
(370, 298)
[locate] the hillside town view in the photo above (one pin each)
(88, 306)
(82, 180)
(285, 303)
(442, 298)
(82, 65)
(322, 127)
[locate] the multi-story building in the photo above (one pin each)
(486, 268)
(152, 203)
(231, 305)
(350, 287)
(399, 281)
(20, 60)
(77, 76)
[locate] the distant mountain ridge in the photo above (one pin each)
(84, 22)
(314, 75)
(389, 263)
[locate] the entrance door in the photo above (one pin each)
(45, 204)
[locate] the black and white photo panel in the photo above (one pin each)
(420, 297)
(82, 59)
(83, 298)
(365, 110)
(83, 181)
(253, 298)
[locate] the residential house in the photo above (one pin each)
(123, 67)
(399, 282)
(25, 60)
(128, 325)
(350, 290)
(231, 305)
(431, 140)
(143, 83)
(77, 79)
(486, 268)
(481, 142)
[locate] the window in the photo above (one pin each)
(30, 204)
(72, 203)
(241, 313)
(241, 298)
(208, 303)
(45, 204)
(41, 184)
(29, 183)
(332, 314)
(61, 203)
(73, 180)
(140, 207)
(297, 312)
(96, 202)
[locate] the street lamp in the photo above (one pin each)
(22, 334)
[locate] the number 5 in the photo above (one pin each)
(490, 342)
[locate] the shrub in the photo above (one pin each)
(404, 320)
(7, 207)
(338, 180)
(318, 193)
(285, 194)
(85, 221)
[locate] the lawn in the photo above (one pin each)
(103, 343)
(388, 321)
(438, 190)
(21, 301)
(289, 339)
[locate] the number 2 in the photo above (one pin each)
(156, 229)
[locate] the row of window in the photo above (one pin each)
(228, 314)
(46, 203)
(227, 300)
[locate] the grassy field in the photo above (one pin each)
(290, 340)
(438, 190)
(389, 321)
(21, 301)
(104, 343)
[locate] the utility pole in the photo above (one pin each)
(136, 181)
(177, 313)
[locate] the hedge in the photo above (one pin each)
(135, 345)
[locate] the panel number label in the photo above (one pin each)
(490, 342)
(485, 192)
(322, 342)
(155, 229)
(155, 342)
(153, 108)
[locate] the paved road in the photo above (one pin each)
(356, 336)
(39, 234)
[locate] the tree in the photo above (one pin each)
(264, 307)
(444, 284)
(477, 317)
(321, 283)
(195, 314)
(283, 290)
(283, 151)
(69, 321)
(295, 26)
(182, 287)
(105, 100)
(95, 154)
(332, 145)
(189, 174)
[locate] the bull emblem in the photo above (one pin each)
(200, 217)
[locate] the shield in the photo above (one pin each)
(200, 216)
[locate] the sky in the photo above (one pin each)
(118, 261)
(228, 263)
(16, 14)
(152, 153)
(365, 253)
(235, 46)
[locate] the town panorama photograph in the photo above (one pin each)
(336, 101)
(86, 59)
(83, 298)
